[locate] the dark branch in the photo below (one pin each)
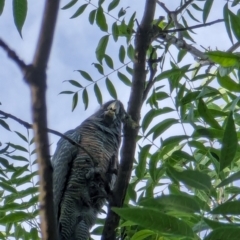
(142, 43)
(36, 78)
(12, 55)
(30, 126)
(234, 47)
(183, 6)
(163, 7)
(152, 64)
(192, 27)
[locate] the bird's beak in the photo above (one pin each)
(112, 110)
(115, 107)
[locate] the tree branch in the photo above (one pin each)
(12, 55)
(142, 42)
(30, 126)
(192, 27)
(35, 76)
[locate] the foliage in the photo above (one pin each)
(183, 183)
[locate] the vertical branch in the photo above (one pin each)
(36, 78)
(142, 43)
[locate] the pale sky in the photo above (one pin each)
(74, 49)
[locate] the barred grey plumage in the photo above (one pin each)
(82, 179)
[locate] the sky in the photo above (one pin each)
(74, 47)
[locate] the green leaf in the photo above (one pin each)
(111, 88)
(109, 61)
(85, 75)
(70, 4)
(124, 79)
(66, 92)
(79, 11)
(211, 133)
(15, 217)
(192, 178)
(18, 147)
(92, 15)
(225, 59)
(113, 4)
(235, 2)
(75, 83)
(21, 136)
(121, 54)
(2, 3)
(130, 52)
(155, 221)
(98, 93)
(174, 139)
(181, 55)
(115, 31)
(229, 143)
(141, 167)
(172, 73)
(142, 234)
(101, 20)
(85, 98)
(206, 9)
(215, 224)
(182, 203)
(191, 15)
(99, 67)
(74, 101)
(232, 208)
(4, 149)
(224, 233)
(195, 6)
(152, 114)
(19, 158)
(101, 48)
(232, 178)
(235, 23)
(7, 187)
(189, 97)
(100, 2)
(4, 124)
(159, 128)
(227, 22)
(206, 115)
(19, 13)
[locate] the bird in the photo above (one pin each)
(84, 174)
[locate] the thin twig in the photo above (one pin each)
(153, 71)
(12, 55)
(234, 47)
(192, 27)
(163, 7)
(30, 126)
(183, 7)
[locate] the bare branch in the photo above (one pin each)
(153, 71)
(183, 6)
(12, 55)
(181, 44)
(234, 47)
(192, 27)
(30, 126)
(142, 43)
(177, 25)
(163, 7)
(36, 78)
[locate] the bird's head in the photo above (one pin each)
(113, 111)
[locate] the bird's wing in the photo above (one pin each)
(61, 162)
